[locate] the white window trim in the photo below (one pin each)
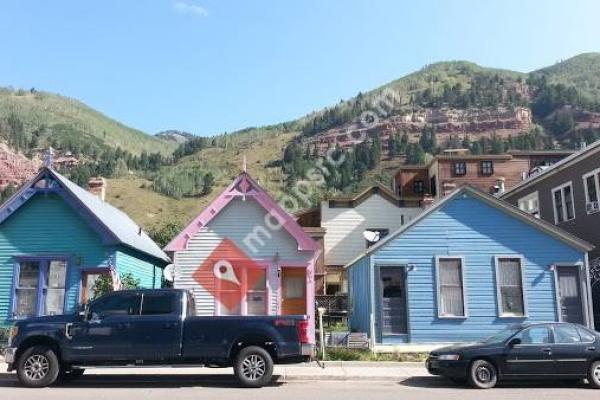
(596, 174)
(521, 259)
(464, 287)
(527, 199)
(562, 195)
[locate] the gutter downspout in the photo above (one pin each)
(372, 293)
(590, 307)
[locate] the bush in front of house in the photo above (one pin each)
(344, 354)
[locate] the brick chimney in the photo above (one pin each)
(427, 200)
(97, 186)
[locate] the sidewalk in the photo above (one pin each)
(333, 371)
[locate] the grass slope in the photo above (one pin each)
(46, 109)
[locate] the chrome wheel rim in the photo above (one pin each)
(254, 367)
(597, 374)
(483, 374)
(36, 367)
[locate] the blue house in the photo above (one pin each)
(56, 239)
(466, 267)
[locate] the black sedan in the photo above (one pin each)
(528, 351)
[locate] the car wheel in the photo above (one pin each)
(37, 367)
(483, 374)
(594, 375)
(253, 367)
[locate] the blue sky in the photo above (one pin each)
(209, 66)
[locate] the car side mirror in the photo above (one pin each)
(514, 342)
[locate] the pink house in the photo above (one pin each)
(245, 255)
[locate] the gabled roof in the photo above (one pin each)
(244, 187)
(115, 225)
(378, 188)
(555, 168)
(503, 206)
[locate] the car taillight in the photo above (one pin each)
(302, 328)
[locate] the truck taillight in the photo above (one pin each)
(302, 328)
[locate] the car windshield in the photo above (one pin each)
(501, 336)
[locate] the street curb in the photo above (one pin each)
(340, 378)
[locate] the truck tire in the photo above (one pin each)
(38, 367)
(253, 367)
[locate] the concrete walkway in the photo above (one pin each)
(333, 371)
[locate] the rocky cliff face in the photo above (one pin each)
(15, 168)
(473, 122)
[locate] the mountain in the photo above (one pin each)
(58, 120)
(175, 136)
(443, 105)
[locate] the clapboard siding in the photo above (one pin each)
(141, 267)
(47, 225)
(345, 226)
(468, 227)
(360, 304)
(235, 222)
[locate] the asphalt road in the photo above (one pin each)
(171, 387)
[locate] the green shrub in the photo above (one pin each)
(344, 354)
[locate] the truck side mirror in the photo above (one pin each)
(514, 342)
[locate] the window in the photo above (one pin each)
(460, 168)
(535, 335)
(591, 183)
(419, 187)
(40, 287)
(117, 304)
(451, 296)
(566, 334)
(509, 278)
(564, 208)
(586, 336)
(159, 303)
(487, 167)
(249, 297)
(530, 204)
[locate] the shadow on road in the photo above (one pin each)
(142, 381)
(434, 382)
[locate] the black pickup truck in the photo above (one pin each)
(154, 327)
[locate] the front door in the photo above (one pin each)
(569, 295)
(533, 356)
(293, 291)
(393, 300)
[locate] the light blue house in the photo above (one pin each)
(468, 266)
(56, 239)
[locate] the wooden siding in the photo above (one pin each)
(345, 226)
(360, 303)
(47, 225)
(141, 267)
(472, 229)
(236, 221)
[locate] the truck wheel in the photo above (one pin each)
(482, 375)
(253, 367)
(594, 375)
(38, 367)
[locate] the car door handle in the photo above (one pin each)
(122, 327)
(547, 350)
(590, 348)
(169, 325)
